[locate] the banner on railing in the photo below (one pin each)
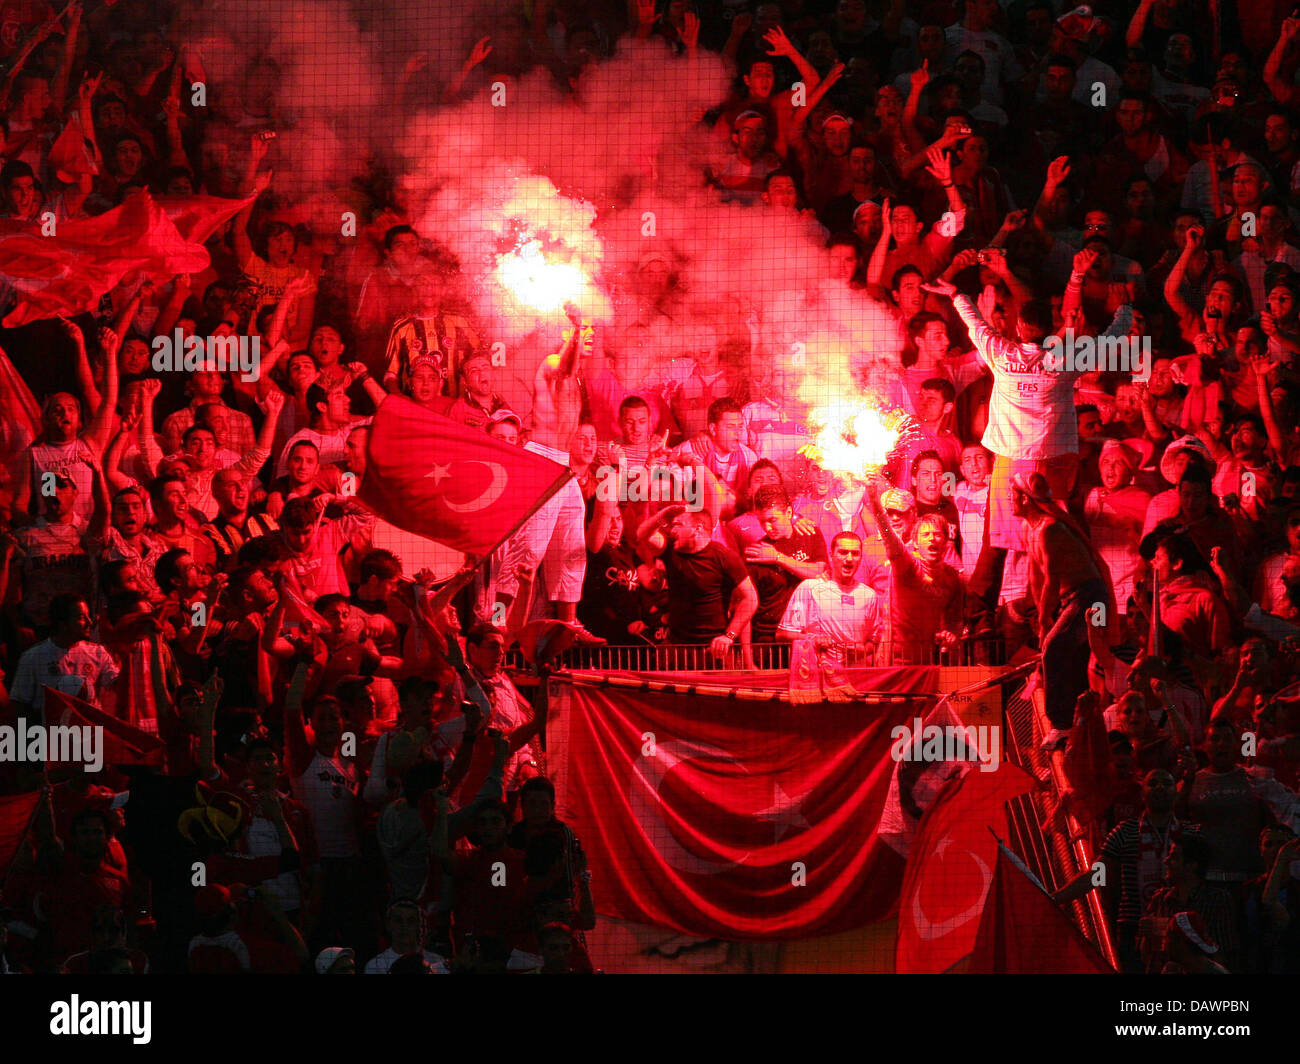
(730, 818)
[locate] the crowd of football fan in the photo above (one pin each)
(347, 770)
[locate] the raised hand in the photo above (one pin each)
(940, 166)
(1058, 170)
(1084, 260)
(690, 31)
(481, 50)
(920, 77)
(778, 43)
(272, 402)
(941, 288)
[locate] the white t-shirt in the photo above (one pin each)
(328, 790)
(330, 444)
(1000, 63)
(380, 965)
(81, 670)
(821, 607)
(971, 506)
(62, 458)
(1031, 412)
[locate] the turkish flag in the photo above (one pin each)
(950, 868)
(730, 819)
(451, 483)
(124, 744)
(1024, 931)
(15, 814)
(67, 272)
(197, 217)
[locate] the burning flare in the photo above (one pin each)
(536, 282)
(853, 436)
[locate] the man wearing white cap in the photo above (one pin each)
(1173, 464)
(742, 172)
(1115, 511)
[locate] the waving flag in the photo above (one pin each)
(15, 814)
(123, 743)
(197, 217)
(1024, 931)
(950, 869)
(451, 483)
(68, 271)
(723, 818)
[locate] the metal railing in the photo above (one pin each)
(680, 657)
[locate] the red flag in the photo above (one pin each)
(1024, 931)
(15, 814)
(197, 217)
(71, 155)
(1088, 765)
(950, 869)
(451, 483)
(722, 818)
(124, 744)
(68, 271)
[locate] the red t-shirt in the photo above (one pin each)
(68, 900)
(487, 910)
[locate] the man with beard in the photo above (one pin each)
(711, 596)
(781, 561)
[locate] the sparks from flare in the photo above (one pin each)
(853, 436)
(535, 281)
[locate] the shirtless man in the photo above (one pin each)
(1067, 582)
(557, 388)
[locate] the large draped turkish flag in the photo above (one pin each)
(727, 818)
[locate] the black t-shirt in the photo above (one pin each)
(699, 592)
(775, 583)
(612, 596)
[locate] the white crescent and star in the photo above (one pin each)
(647, 804)
(495, 489)
(928, 930)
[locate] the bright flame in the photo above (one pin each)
(535, 282)
(853, 436)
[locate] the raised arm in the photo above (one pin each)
(802, 114)
(255, 184)
(1057, 171)
(1279, 69)
(652, 525)
(101, 426)
(85, 375)
(298, 751)
(59, 86)
(894, 546)
(1174, 282)
(1137, 25)
(880, 253)
(781, 45)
